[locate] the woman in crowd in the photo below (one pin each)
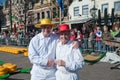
(106, 36)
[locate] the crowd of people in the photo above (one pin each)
(19, 38)
(96, 38)
(88, 38)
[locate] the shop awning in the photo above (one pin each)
(77, 21)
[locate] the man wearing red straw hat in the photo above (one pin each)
(41, 52)
(69, 60)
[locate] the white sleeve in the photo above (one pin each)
(34, 56)
(77, 62)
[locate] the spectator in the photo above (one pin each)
(92, 40)
(79, 38)
(73, 35)
(106, 36)
(98, 39)
(85, 33)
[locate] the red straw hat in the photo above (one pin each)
(64, 27)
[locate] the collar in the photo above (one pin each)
(42, 36)
(65, 44)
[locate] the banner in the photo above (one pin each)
(61, 4)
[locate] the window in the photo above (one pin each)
(85, 9)
(104, 6)
(42, 1)
(65, 10)
(48, 14)
(54, 12)
(76, 11)
(43, 15)
(38, 16)
(117, 6)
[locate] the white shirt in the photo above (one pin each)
(72, 57)
(41, 49)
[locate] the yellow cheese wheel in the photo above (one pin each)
(2, 73)
(3, 70)
(10, 66)
(26, 54)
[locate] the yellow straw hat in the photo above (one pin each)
(44, 22)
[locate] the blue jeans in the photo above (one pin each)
(98, 44)
(85, 43)
(106, 48)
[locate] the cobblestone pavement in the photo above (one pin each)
(98, 71)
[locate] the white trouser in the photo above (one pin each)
(38, 73)
(51, 77)
(63, 75)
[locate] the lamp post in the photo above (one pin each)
(25, 11)
(1, 14)
(93, 13)
(11, 16)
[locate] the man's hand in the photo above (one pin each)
(50, 63)
(75, 45)
(60, 63)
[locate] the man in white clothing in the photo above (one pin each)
(41, 52)
(69, 60)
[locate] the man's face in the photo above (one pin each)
(64, 37)
(46, 30)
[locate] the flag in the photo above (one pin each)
(2, 1)
(61, 4)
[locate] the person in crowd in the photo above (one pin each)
(55, 31)
(85, 33)
(6, 35)
(20, 38)
(73, 35)
(69, 60)
(92, 40)
(13, 39)
(106, 36)
(115, 32)
(79, 38)
(41, 52)
(98, 39)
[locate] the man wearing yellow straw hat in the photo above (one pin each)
(42, 50)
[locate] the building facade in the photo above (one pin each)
(26, 14)
(79, 10)
(16, 14)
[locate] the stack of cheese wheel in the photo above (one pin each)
(3, 70)
(11, 67)
(26, 54)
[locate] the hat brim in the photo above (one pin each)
(42, 25)
(64, 31)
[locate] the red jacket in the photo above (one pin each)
(72, 37)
